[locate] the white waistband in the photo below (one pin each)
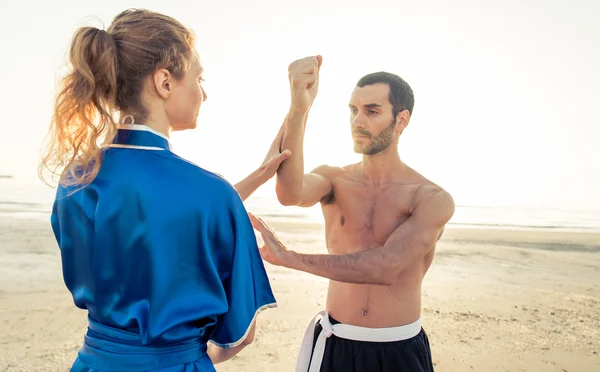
(350, 332)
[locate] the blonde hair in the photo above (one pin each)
(107, 74)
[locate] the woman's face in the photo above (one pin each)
(183, 106)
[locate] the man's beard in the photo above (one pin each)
(381, 142)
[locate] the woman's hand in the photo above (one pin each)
(267, 169)
(274, 157)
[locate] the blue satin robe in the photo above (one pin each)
(162, 255)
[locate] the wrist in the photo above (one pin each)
(295, 113)
(290, 259)
(258, 177)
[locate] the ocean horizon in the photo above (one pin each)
(29, 198)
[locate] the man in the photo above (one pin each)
(383, 220)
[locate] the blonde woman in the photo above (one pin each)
(160, 252)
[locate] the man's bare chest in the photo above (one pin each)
(366, 215)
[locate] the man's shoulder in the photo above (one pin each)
(425, 187)
(428, 192)
(329, 171)
(433, 200)
(431, 190)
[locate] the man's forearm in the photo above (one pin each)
(366, 267)
(291, 172)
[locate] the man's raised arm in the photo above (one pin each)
(293, 186)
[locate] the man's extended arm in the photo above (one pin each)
(383, 265)
(380, 265)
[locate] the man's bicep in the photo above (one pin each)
(315, 186)
(427, 222)
(437, 209)
(432, 214)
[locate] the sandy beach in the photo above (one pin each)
(494, 300)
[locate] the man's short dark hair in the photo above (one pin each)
(401, 95)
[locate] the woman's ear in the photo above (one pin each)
(162, 80)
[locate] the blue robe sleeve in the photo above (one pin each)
(246, 286)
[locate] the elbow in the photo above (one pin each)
(388, 279)
(288, 198)
(391, 274)
(250, 336)
(385, 275)
(288, 201)
(248, 340)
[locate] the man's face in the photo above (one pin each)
(372, 121)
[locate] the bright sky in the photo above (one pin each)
(506, 92)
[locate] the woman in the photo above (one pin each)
(160, 252)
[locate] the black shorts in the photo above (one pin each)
(341, 355)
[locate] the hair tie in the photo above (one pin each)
(128, 117)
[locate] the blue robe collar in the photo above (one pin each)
(141, 137)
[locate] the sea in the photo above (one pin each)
(30, 198)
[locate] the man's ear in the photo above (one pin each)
(402, 120)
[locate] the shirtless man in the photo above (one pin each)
(383, 220)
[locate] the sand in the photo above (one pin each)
(494, 300)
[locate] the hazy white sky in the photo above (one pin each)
(506, 92)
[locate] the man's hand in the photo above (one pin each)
(273, 251)
(304, 83)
